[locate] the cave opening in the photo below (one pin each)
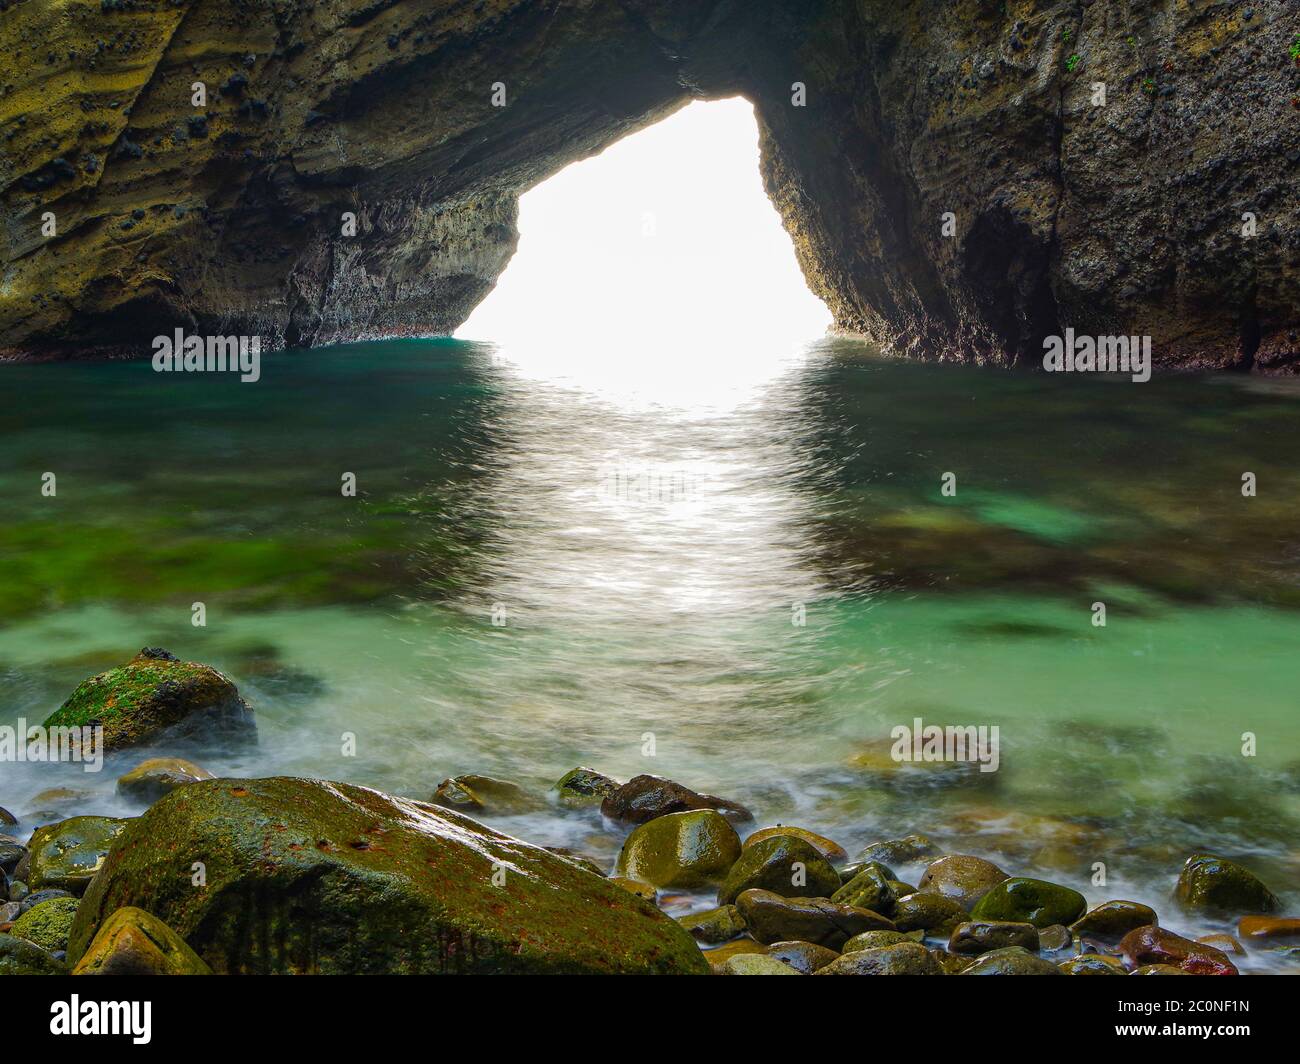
(662, 253)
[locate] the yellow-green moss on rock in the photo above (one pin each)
(307, 876)
(155, 695)
(134, 942)
(47, 924)
(682, 850)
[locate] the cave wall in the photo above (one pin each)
(1116, 219)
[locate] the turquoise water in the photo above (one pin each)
(648, 536)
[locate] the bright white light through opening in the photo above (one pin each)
(663, 248)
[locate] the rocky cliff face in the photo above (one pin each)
(1171, 209)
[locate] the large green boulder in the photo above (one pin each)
(155, 696)
(681, 850)
(1032, 901)
(20, 957)
(48, 923)
(134, 942)
(304, 876)
(783, 864)
(66, 855)
(1209, 883)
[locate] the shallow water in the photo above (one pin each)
(651, 546)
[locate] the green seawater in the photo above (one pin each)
(753, 583)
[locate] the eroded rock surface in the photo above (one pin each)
(1122, 218)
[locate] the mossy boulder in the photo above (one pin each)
(47, 924)
(151, 779)
(681, 850)
(66, 855)
(20, 957)
(984, 936)
(1209, 883)
(932, 913)
(582, 787)
(156, 696)
(134, 942)
(714, 926)
(771, 918)
(307, 876)
(1013, 960)
(961, 878)
(784, 864)
(1033, 901)
(831, 850)
(902, 958)
(1112, 920)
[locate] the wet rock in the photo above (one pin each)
(47, 924)
(582, 860)
(20, 957)
(832, 851)
(783, 864)
(1209, 883)
(1014, 960)
(910, 849)
(474, 794)
(151, 779)
(134, 942)
(11, 854)
(804, 957)
(1034, 901)
(740, 947)
(931, 913)
(7, 817)
(1112, 920)
(961, 878)
(1155, 945)
(9, 912)
(1226, 943)
(1159, 969)
(869, 889)
(1268, 928)
(582, 787)
(903, 958)
(681, 850)
(985, 936)
(309, 876)
(714, 926)
(154, 697)
(1092, 964)
(877, 940)
(18, 890)
(645, 797)
(1054, 938)
(38, 897)
(635, 887)
(67, 855)
(754, 964)
(774, 918)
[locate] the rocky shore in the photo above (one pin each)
(303, 876)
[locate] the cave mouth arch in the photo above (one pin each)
(664, 246)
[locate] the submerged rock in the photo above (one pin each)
(581, 787)
(1214, 884)
(1013, 960)
(783, 864)
(771, 917)
(307, 876)
(985, 936)
(902, 958)
(47, 924)
(681, 850)
(151, 779)
(155, 696)
(1034, 901)
(1155, 945)
(961, 878)
(1112, 920)
(20, 957)
(66, 855)
(134, 942)
(645, 797)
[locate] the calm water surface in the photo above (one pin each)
(650, 536)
